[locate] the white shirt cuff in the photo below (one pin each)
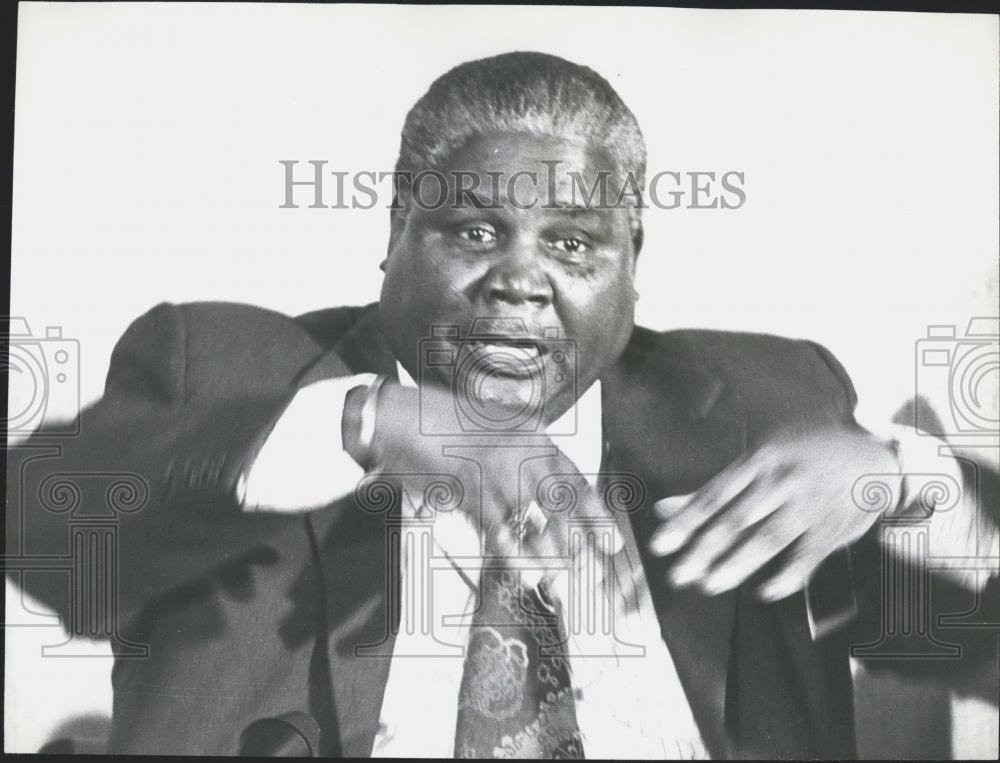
(963, 541)
(303, 464)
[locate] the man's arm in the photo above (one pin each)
(792, 500)
(183, 432)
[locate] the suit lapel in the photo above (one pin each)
(353, 553)
(676, 427)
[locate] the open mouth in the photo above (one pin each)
(516, 358)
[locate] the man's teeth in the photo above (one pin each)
(527, 351)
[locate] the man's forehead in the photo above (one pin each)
(563, 172)
(509, 153)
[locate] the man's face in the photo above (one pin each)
(565, 268)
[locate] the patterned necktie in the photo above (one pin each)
(516, 700)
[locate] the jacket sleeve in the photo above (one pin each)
(156, 460)
(837, 369)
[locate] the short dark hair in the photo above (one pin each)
(527, 92)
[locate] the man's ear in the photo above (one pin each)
(397, 224)
(637, 239)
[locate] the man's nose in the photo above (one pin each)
(517, 278)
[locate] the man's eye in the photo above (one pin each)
(478, 234)
(569, 245)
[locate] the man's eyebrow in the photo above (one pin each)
(470, 197)
(573, 208)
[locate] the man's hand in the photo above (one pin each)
(792, 497)
(508, 466)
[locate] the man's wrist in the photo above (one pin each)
(350, 426)
(890, 471)
(891, 445)
(358, 424)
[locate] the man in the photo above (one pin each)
(267, 586)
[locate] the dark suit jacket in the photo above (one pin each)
(247, 616)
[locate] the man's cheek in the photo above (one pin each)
(446, 272)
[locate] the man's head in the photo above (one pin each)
(529, 136)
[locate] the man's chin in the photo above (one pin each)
(513, 391)
(520, 403)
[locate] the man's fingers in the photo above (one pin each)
(793, 575)
(683, 515)
(593, 527)
(570, 504)
(601, 525)
(767, 540)
(671, 506)
(501, 542)
(551, 541)
(725, 529)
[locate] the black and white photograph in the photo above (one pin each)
(503, 381)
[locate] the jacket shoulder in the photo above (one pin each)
(767, 373)
(207, 349)
(727, 352)
(328, 325)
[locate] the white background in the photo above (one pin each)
(147, 142)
